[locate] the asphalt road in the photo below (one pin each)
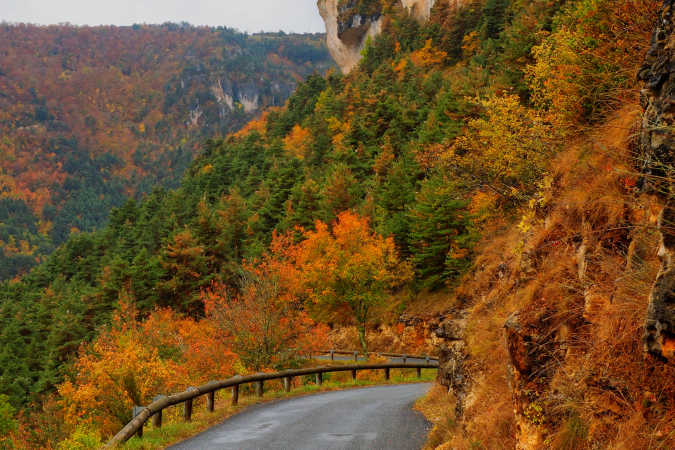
(379, 417)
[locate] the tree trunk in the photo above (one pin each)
(362, 337)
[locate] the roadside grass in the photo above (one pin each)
(434, 406)
(174, 430)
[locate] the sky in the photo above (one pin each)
(246, 15)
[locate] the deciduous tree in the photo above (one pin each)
(349, 269)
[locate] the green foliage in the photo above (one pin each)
(493, 18)
(398, 141)
(440, 232)
(126, 114)
(82, 438)
(7, 421)
(574, 434)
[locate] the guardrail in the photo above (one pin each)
(154, 409)
(357, 354)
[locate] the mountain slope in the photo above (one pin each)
(495, 144)
(92, 116)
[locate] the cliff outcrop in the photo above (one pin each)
(656, 159)
(350, 23)
(346, 35)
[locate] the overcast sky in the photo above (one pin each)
(245, 15)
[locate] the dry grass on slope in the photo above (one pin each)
(578, 270)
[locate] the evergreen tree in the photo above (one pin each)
(440, 232)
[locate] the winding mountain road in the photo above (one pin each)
(379, 417)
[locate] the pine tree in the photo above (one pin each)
(440, 232)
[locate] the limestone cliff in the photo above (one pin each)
(349, 24)
(346, 40)
(421, 9)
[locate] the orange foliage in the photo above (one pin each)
(428, 56)
(264, 319)
(587, 66)
(258, 125)
(349, 269)
(134, 361)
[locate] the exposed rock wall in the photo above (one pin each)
(656, 159)
(348, 30)
(452, 357)
(420, 9)
(346, 39)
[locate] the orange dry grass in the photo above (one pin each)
(397, 338)
(580, 276)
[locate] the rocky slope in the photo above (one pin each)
(556, 318)
(92, 115)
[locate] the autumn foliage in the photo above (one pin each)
(470, 167)
(134, 361)
(348, 269)
(262, 318)
(90, 116)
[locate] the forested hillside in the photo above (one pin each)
(486, 159)
(91, 116)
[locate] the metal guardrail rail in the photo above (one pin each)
(154, 409)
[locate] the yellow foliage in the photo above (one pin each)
(297, 142)
(428, 56)
(471, 44)
(135, 361)
(511, 143)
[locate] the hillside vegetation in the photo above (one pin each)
(488, 155)
(91, 116)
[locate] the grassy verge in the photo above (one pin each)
(435, 406)
(174, 430)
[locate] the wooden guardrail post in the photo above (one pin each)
(287, 384)
(187, 410)
(134, 412)
(235, 395)
(319, 378)
(260, 388)
(356, 356)
(211, 401)
(419, 372)
(405, 358)
(354, 374)
(332, 355)
(157, 418)
(386, 373)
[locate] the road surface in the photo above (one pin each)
(379, 417)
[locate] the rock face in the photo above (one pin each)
(421, 9)
(349, 24)
(346, 38)
(452, 358)
(656, 148)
